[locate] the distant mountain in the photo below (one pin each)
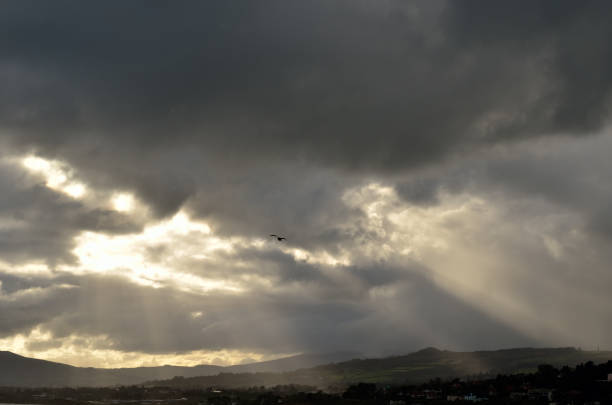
(417, 367)
(429, 363)
(22, 371)
(320, 370)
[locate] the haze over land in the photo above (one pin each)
(326, 371)
(441, 171)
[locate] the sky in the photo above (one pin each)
(441, 170)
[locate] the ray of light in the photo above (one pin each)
(467, 247)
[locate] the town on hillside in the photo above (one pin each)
(586, 384)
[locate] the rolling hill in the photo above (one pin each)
(22, 371)
(321, 370)
(416, 367)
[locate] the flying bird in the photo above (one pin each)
(278, 238)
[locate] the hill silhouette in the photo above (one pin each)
(320, 370)
(414, 368)
(19, 371)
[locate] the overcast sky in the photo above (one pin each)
(441, 170)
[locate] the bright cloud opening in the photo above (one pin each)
(58, 176)
(97, 351)
(130, 255)
(123, 202)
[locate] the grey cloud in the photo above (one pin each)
(349, 85)
(575, 179)
(297, 201)
(158, 320)
(43, 345)
(26, 304)
(574, 36)
(270, 264)
(45, 222)
(567, 174)
(420, 191)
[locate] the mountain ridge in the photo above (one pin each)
(413, 368)
(321, 370)
(21, 371)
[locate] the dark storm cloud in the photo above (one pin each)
(38, 223)
(351, 85)
(575, 36)
(26, 303)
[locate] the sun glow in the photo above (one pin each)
(123, 202)
(319, 257)
(179, 238)
(153, 257)
(58, 176)
(98, 351)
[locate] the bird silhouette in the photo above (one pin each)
(278, 238)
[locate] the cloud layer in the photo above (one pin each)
(434, 165)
